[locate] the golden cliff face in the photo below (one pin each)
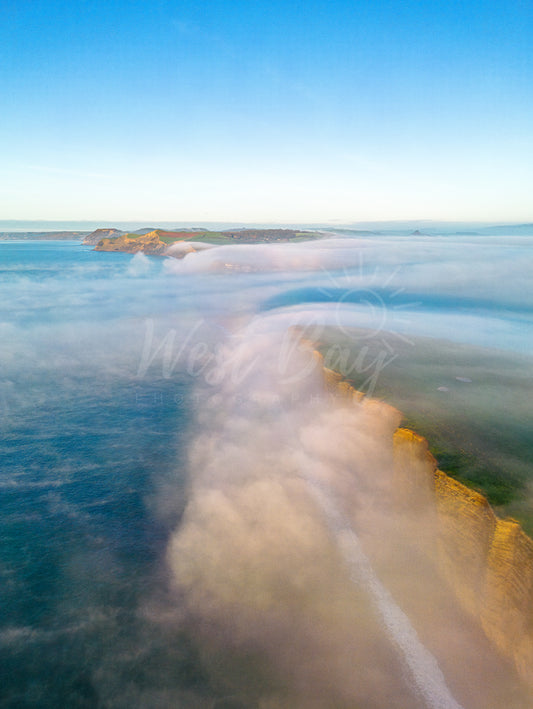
(487, 561)
(148, 243)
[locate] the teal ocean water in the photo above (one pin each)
(102, 359)
(84, 449)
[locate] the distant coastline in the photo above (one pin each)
(155, 240)
(79, 230)
(42, 235)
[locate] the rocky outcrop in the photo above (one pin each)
(96, 236)
(148, 243)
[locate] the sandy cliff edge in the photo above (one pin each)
(487, 561)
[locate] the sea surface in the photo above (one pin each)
(102, 359)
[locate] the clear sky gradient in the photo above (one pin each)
(255, 111)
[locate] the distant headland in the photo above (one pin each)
(156, 241)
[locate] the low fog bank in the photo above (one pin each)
(460, 266)
(289, 534)
(466, 289)
(120, 371)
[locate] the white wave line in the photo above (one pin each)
(424, 669)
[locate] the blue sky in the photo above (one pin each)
(266, 111)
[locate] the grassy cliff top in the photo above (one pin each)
(471, 404)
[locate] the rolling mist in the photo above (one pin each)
(193, 518)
